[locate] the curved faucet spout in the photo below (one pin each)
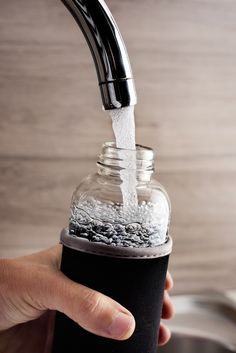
(108, 50)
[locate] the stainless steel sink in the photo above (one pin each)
(202, 324)
(181, 343)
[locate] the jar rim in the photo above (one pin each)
(113, 160)
(141, 152)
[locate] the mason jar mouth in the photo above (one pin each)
(115, 159)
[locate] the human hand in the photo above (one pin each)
(32, 288)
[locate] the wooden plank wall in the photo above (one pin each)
(183, 55)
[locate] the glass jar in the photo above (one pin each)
(122, 204)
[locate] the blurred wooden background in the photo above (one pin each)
(183, 55)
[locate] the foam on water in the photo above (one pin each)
(124, 130)
(111, 224)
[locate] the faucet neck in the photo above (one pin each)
(108, 50)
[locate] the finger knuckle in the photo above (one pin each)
(91, 303)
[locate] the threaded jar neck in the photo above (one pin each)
(113, 160)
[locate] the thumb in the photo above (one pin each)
(30, 285)
(92, 310)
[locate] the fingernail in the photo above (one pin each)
(121, 326)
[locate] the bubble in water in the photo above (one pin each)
(109, 224)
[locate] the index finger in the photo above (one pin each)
(169, 281)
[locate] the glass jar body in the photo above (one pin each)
(98, 213)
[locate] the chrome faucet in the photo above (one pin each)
(108, 50)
